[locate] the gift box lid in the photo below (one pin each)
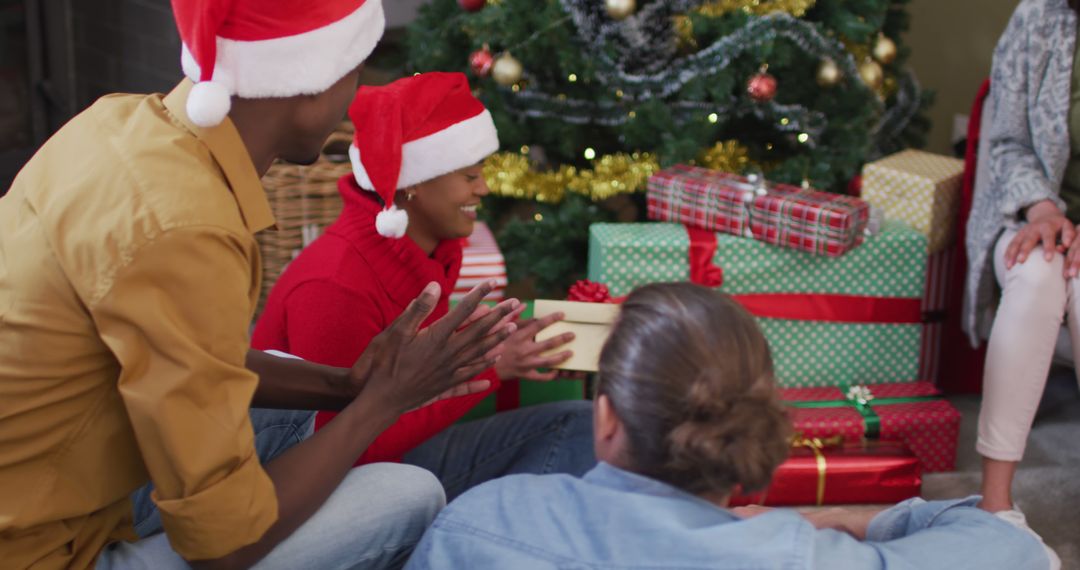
(933, 167)
(919, 187)
(591, 324)
(877, 391)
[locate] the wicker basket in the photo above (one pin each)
(304, 200)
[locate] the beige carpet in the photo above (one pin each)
(1047, 486)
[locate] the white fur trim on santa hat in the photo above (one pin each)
(392, 222)
(302, 64)
(457, 146)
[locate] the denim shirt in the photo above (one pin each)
(615, 519)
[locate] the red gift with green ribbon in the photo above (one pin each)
(913, 413)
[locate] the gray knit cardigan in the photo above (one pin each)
(1027, 139)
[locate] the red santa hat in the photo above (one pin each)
(413, 130)
(258, 49)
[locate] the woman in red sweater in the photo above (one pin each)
(411, 200)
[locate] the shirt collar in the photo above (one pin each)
(607, 475)
(228, 150)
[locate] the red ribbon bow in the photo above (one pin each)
(586, 291)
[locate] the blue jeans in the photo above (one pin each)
(379, 512)
(549, 438)
(372, 520)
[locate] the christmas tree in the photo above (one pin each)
(591, 97)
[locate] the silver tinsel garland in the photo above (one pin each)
(646, 67)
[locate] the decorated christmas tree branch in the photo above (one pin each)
(511, 175)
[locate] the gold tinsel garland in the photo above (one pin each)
(717, 8)
(510, 174)
(684, 27)
(726, 156)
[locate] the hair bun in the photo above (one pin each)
(690, 376)
(730, 441)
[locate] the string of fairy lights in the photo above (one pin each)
(654, 62)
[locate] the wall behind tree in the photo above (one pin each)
(952, 44)
(401, 12)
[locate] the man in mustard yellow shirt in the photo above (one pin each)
(128, 279)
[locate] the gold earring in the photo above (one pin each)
(409, 196)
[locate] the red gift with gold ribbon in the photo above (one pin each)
(829, 472)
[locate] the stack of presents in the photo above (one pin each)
(849, 291)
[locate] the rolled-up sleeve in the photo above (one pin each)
(946, 535)
(176, 317)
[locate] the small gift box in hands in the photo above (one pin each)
(591, 324)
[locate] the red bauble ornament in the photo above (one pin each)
(472, 5)
(480, 61)
(761, 87)
(854, 186)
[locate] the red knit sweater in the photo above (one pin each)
(347, 287)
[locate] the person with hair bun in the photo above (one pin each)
(686, 413)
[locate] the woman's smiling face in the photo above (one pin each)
(445, 207)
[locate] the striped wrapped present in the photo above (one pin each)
(939, 271)
(778, 214)
(482, 261)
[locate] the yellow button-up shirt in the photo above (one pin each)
(128, 278)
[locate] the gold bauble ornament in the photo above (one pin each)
(871, 73)
(620, 9)
(828, 73)
(507, 70)
(884, 50)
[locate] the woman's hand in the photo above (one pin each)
(1046, 224)
(852, 520)
(1072, 258)
(750, 511)
(522, 355)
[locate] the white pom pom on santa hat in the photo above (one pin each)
(208, 103)
(255, 49)
(392, 222)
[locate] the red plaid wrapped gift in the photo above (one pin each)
(831, 472)
(911, 412)
(482, 260)
(778, 214)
